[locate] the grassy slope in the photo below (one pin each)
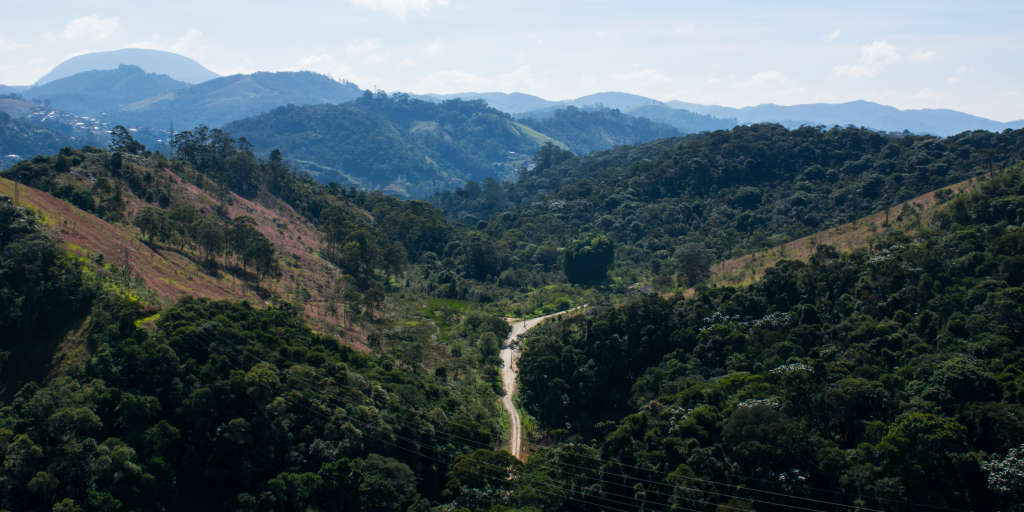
(749, 268)
(306, 279)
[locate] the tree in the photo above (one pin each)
(153, 223)
(121, 141)
(693, 260)
(588, 259)
(387, 484)
(210, 236)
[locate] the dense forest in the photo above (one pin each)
(406, 146)
(587, 130)
(673, 206)
(211, 405)
(886, 378)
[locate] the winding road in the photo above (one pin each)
(509, 373)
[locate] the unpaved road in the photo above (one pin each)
(509, 372)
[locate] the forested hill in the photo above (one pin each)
(125, 386)
(588, 130)
(673, 205)
(209, 405)
(884, 380)
(228, 98)
(405, 146)
(103, 92)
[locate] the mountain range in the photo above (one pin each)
(416, 148)
(941, 122)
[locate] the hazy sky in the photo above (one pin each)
(962, 55)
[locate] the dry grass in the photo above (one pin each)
(858, 234)
(306, 279)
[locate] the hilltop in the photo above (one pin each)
(225, 99)
(178, 67)
(103, 92)
(405, 146)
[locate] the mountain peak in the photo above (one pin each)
(160, 62)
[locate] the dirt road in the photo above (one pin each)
(509, 372)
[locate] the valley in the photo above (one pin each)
(393, 305)
(262, 257)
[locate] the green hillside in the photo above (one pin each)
(401, 145)
(221, 318)
(672, 207)
(881, 380)
(585, 131)
(102, 93)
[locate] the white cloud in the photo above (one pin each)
(324, 64)
(854, 71)
(433, 49)
(643, 77)
(518, 79)
(456, 80)
(958, 75)
(923, 56)
(927, 94)
(874, 57)
(368, 51)
(360, 48)
(8, 45)
(764, 78)
(184, 43)
(400, 8)
(452, 80)
(90, 28)
(879, 53)
(832, 36)
(685, 29)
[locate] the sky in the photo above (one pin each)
(929, 54)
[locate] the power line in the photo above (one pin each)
(549, 480)
(450, 437)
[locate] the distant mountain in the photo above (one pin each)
(12, 89)
(520, 103)
(104, 91)
(620, 100)
(588, 130)
(403, 145)
(513, 103)
(173, 65)
(234, 97)
(683, 120)
(941, 122)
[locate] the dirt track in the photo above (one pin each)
(509, 374)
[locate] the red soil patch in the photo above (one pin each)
(306, 280)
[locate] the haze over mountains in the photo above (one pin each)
(280, 291)
(151, 91)
(160, 62)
